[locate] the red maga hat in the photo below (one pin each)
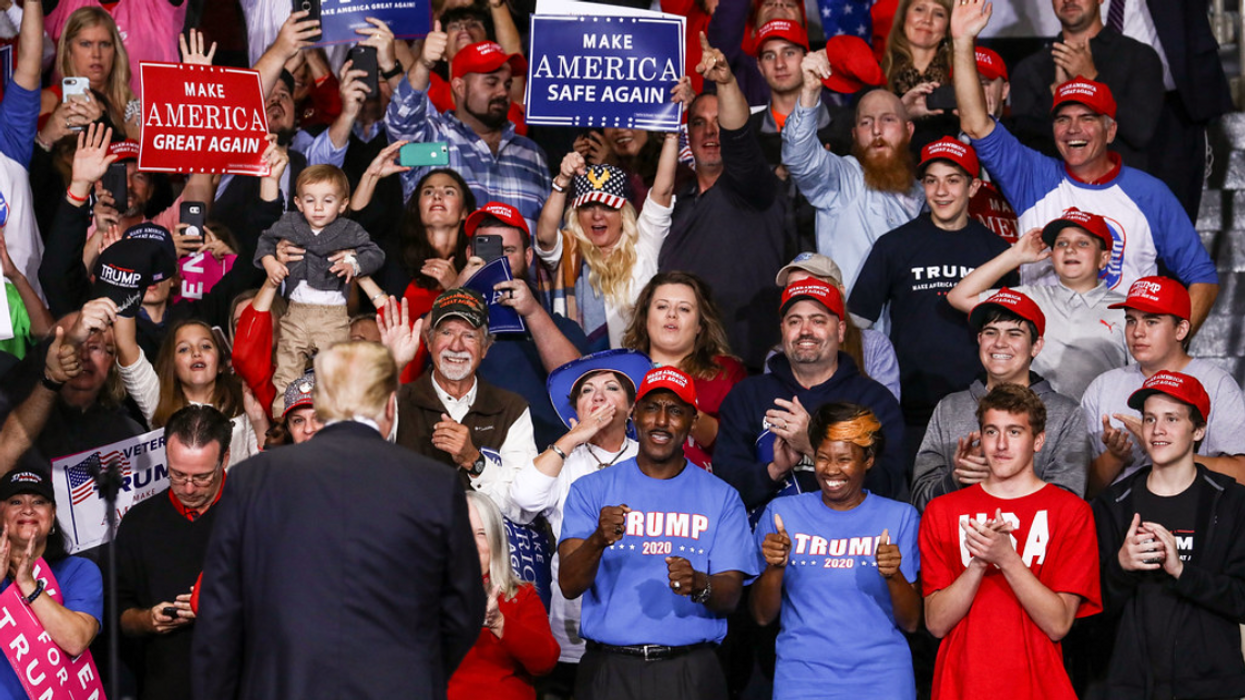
(852, 65)
(1158, 295)
(814, 289)
(669, 378)
(784, 29)
(990, 65)
(947, 148)
(1181, 387)
(485, 57)
(1093, 224)
(1097, 96)
(1013, 301)
(505, 212)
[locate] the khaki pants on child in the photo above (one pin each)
(305, 329)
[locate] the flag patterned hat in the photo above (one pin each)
(601, 183)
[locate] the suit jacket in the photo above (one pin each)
(343, 567)
(242, 193)
(1193, 56)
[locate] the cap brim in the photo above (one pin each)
(630, 363)
(297, 405)
(782, 310)
(465, 316)
(1144, 306)
(1137, 401)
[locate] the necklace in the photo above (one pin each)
(600, 464)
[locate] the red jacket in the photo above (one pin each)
(502, 669)
(252, 354)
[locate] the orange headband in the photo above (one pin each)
(858, 431)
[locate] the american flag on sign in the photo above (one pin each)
(81, 479)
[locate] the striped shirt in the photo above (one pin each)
(517, 174)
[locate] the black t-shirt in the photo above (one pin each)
(1179, 514)
(912, 268)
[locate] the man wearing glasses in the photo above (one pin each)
(161, 544)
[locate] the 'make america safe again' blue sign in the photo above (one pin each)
(594, 71)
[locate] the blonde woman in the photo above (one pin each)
(90, 47)
(605, 253)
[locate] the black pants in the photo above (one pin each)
(610, 676)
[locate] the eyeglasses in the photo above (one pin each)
(465, 24)
(177, 477)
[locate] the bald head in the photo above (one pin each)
(881, 101)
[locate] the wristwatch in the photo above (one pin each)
(392, 72)
(702, 596)
(477, 467)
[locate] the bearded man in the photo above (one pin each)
(858, 197)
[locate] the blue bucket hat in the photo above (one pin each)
(631, 364)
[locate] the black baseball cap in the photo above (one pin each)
(465, 303)
(26, 481)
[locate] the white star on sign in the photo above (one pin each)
(861, 29)
(825, 12)
(847, 8)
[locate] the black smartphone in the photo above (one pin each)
(313, 12)
(169, 611)
(115, 181)
(193, 214)
(943, 97)
(487, 247)
(364, 58)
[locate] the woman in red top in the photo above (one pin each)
(680, 326)
(515, 644)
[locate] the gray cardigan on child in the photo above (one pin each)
(342, 234)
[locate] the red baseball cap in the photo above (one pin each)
(1013, 301)
(990, 65)
(669, 378)
(124, 150)
(1181, 387)
(852, 65)
(1097, 96)
(812, 288)
(1158, 295)
(1092, 224)
(783, 29)
(485, 57)
(505, 212)
(947, 148)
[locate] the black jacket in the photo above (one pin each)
(1204, 639)
(342, 567)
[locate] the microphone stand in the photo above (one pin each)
(108, 481)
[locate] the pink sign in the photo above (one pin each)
(200, 272)
(46, 672)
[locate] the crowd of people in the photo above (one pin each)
(871, 380)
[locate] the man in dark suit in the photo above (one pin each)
(1193, 76)
(343, 567)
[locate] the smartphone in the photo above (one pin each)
(364, 58)
(418, 155)
(487, 247)
(115, 181)
(313, 9)
(943, 97)
(193, 214)
(169, 611)
(222, 342)
(75, 87)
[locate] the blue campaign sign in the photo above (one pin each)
(600, 71)
(406, 19)
(531, 556)
(501, 319)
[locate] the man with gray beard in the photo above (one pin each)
(455, 417)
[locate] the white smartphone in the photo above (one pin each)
(75, 87)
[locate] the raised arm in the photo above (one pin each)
(383, 165)
(549, 225)
(968, 18)
(1027, 249)
(28, 72)
(295, 35)
(733, 110)
(662, 191)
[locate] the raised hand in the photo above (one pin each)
(62, 363)
(887, 556)
(434, 46)
(1030, 248)
(384, 164)
(296, 33)
(396, 332)
(91, 160)
(612, 524)
(970, 460)
(1116, 440)
(191, 45)
(969, 17)
(776, 548)
(713, 65)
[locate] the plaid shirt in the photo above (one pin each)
(517, 175)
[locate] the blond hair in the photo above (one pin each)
(500, 572)
(315, 174)
(612, 274)
(118, 88)
(354, 378)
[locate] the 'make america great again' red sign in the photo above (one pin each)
(202, 119)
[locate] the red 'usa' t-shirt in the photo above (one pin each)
(997, 651)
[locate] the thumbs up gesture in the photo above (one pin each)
(777, 545)
(887, 555)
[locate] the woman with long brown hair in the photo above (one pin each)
(917, 61)
(677, 324)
